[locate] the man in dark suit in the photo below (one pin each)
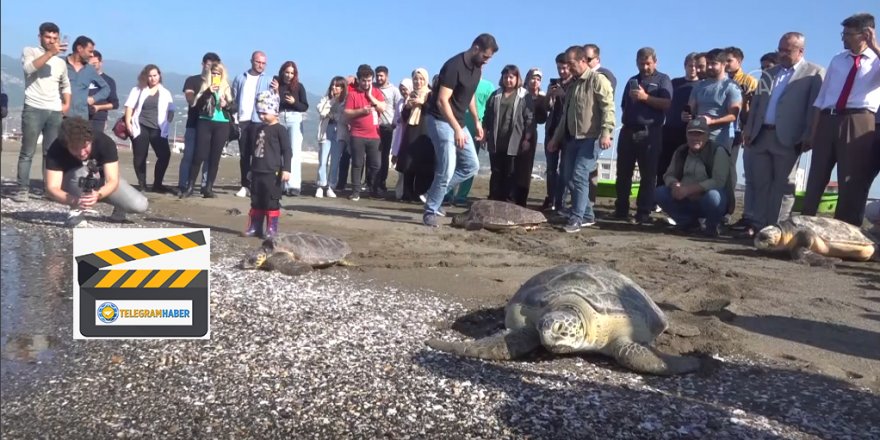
(779, 128)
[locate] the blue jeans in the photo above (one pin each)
(452, 166)
(578, 163)
(189, 150)
(35, 121)
(331, 150)
(293, 121)
(712, 206)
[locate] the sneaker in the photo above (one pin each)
(657, 208)
(330, 193)
(118, 216)
(319, 193)
(76, 219)
(741, 225)
(671, 221)
(620, 215)
(572, 226)
(292, 192)
(354, 197)
(642, 219)
(20, 195)
(423, 198)
(429, 219)
(441, 213)
(243, 192)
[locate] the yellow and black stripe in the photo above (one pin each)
(88, 265)
(148, 279)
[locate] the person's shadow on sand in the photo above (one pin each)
(351, 213)
(562, 405)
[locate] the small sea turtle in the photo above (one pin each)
(298, 253)
(816, 240)
(495, 216)
(580, 308)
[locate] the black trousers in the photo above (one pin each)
(386, 133)
(640, 145)
(98, 125)
(245, 149)
(673, 137)
(211, 137)
(140, 147)
(266, 191)
(363, 149)
(344, 163)
(522, 176)
(501, 181)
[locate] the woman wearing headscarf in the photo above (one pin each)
(415, 157)
(399, 127)
(508, 125)
(212, 129)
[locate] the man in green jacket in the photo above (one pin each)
(587, 122)
(696, 181)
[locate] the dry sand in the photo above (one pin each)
(722, 297)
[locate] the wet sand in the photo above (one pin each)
(721, 296)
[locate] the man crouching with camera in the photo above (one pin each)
(82, 168)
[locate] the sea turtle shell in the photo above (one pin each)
(611, 294)
(496, 215)
(313, 249)
(831, 231)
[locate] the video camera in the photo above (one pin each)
(91, 181)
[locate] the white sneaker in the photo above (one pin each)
(423, 198)
(76, 219)
(330, 193)
(319, 193)
(243, 192)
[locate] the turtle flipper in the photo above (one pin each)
(473, 226)
(286, 264)
(810, 258)
(643, 359)
(502, 346)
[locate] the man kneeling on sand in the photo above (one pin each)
(696, 181)
(82, 168)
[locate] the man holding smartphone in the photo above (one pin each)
(46, 98)
(844, 128)
(646, 98)
(556, 102)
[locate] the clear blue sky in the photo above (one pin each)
(333, 38)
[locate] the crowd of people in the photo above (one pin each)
(684, 134)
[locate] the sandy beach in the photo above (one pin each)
(724, 300)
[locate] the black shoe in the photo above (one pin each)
(620, 215)
(547, 205)
(142, 186)
(162, 189)
(642, 219)
(741, 225)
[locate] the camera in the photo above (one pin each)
(91, 181)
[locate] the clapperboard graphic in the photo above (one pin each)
(141, 283)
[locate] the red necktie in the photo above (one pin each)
(848, 85)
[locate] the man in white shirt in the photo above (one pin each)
(844, 130)
(386, 122)
(46, 97)
(779, 128)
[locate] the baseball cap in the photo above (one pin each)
(698, 125)
(534, 71)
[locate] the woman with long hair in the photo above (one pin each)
(213, 101)
(294, 104)
(416, 156)
(149, 111)
(508, 126)
(329, 109)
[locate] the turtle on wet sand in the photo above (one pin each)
(297, 253)
(817, 241)
(496, 216)
(580, 308)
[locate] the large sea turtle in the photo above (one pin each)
(297, 253)
(816, 240)
(495, 216)
(580, 308)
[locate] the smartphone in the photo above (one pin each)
(215, 80)
(554, 82)
(633, 85)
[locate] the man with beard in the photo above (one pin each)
(386, 122)
(556, 103)
(83, 76)
(456, 157)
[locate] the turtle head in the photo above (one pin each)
(769, 238)
(562, 331)
(255, 259)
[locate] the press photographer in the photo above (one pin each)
(82, 168)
